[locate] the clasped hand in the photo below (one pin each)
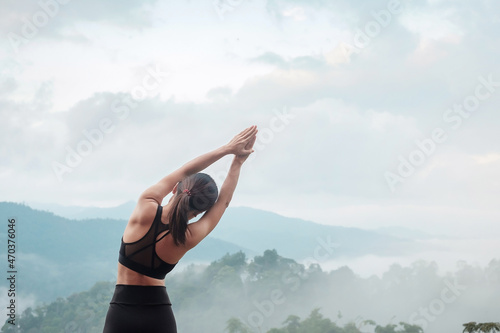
(242, 144)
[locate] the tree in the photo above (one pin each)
(406, 328)
(316, 323)
(292, 324)
(234, 325)
(473, 327)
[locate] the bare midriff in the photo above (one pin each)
(130, 277)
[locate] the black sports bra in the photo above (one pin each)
(140, 256)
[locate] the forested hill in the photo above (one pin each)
(248, 229)
(273, 294)
(58, 256)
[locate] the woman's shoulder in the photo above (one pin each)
(144, 212)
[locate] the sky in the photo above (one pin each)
(370, 114)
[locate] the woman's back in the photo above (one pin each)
(147, 246)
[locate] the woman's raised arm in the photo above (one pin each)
(197, 231)
(236, 146)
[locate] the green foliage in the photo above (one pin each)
(317, 323)
(404, 328)
(236, 288)
(80, 312)
(234, 325)
(474, 327)
(270, 264)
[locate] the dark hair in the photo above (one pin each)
(201, 194)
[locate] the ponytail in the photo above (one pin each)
(177, 218)
(198, 193)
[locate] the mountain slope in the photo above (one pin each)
(299, 239)
(56, 256)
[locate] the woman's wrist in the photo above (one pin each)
(237, 162)
(226, 150)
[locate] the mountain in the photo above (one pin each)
(300, 239)
(124, 210)
(405, 233)
(258, 230)
(56, 256)
(121, 212)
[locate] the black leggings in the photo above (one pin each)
(140, 309)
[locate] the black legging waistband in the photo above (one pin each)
(133, 294)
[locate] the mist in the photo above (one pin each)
(417, 294)
(378, 129)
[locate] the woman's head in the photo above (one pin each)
(194, 194)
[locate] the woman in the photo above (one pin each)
(156, 237)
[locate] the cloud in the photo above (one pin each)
(53, 18)
(7, 85)
(270, 58)
(28, 130)
(220, 94)
(308, 63)
(353, 115)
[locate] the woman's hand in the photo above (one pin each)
(239, 145)
(248, 149)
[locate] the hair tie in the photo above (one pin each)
(188, 192)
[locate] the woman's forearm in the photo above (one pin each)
(203, 161)
(238, 145)
(229, 185)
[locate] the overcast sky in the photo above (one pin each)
(371, 113)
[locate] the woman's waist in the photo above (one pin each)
(130, 277)
(140, 294)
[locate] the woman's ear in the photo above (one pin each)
(174, 190)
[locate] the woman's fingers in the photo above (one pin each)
(242, 135)
(250, 142)
(239, 143)
(248, 130)
(249, 146)
(252, 131)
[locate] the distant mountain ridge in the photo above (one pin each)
(405, 233)
(300, 239)
(251, 227)
(57, 255)
(124, 210)
(120, 212)
(256, 230)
